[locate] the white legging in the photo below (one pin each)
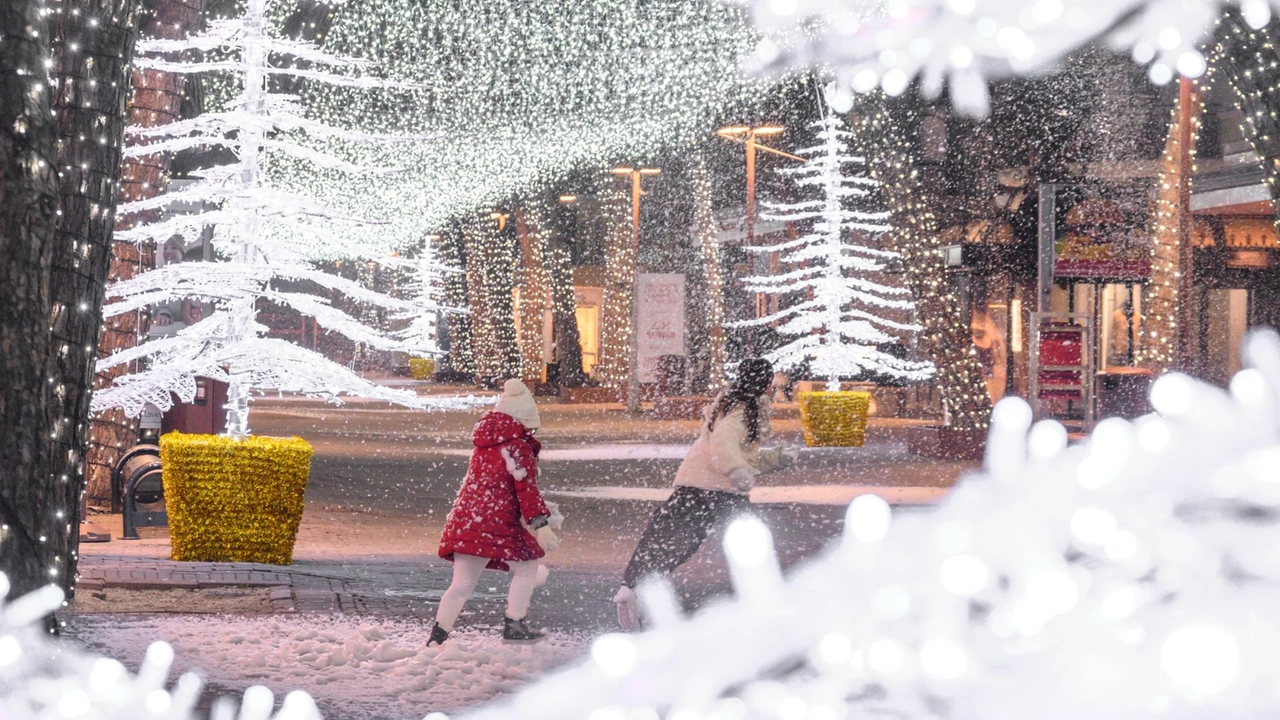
(466, 573)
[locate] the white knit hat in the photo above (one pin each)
(517, 402)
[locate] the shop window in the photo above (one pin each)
(1121, 323)
(589, 335)
(989, 323)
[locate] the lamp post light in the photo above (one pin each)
(747, 136)
(633, 374)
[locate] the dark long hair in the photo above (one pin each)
(754, 377)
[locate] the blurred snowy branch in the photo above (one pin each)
(41, 679)
(965, 43)
(1133, 575)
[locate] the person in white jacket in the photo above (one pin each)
(711, 485)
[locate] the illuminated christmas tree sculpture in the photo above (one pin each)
(269, 236)
(839, 324)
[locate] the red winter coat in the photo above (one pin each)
(500, 489)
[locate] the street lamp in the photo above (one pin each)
(747, 136)
(501, 217)
(633, 375)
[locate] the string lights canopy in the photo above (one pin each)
(267, 233)
(519, 94)
(837, 264)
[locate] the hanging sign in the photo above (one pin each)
(1103, 232)
(151, 417)
(660, 317)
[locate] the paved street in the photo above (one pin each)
(383, 480)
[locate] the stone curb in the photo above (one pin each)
(149, 574)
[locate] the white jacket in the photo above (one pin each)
(722, 459)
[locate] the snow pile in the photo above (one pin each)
(43, 679)
(963, 43)
(1134, 575)
(355, 667)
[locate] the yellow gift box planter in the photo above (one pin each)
(421, 368)
(234, 500)
(834, 419)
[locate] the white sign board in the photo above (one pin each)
(151, 417)
(660, 316)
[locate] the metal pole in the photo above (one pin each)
(1048, 210)
(633, 377)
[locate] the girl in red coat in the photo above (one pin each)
(496, 515)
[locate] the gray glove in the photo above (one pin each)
(743, 478)
(787, 456)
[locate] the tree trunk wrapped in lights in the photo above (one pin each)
(835, 262)
(620, 273)
(491, 256)
(705, 230)
(32, 503)
(459, 361)
(564, 304)
(93, 45)
(1163, 296)
(945, 334)
(532, 226)
(268, 234)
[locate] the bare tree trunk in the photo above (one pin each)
(33, 508)
(156, 100)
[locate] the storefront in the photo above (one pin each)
(1053, 288)
(1237, 276)
(588, 304)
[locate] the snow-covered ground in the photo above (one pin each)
(357, 668)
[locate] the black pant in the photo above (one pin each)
(678, 528)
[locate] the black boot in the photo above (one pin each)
(438, 635)
(519, 631)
